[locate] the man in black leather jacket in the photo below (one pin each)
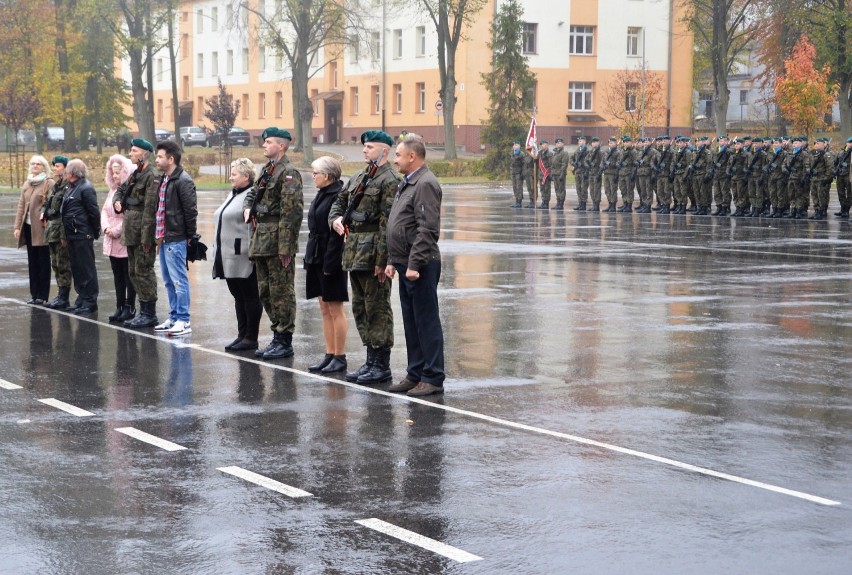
(81, 223)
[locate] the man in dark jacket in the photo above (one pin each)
(174, 227)
(414, 225)
(81, 222)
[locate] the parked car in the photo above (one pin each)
(237, 137)
(26, 138)
(194, 136)
(54, 137)
(107, 138)
(162, 135)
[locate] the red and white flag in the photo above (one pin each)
(532, 139)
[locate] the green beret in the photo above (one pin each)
(376, 136)
(581, 138)
(849, 140)
(142, 144)
(558, 140)
(59, 160)
(596, 139)
(665, 137)
(613, 139)
(758, 140)
(722, 137)
(701, 139)
(626, 139)
(544, 141)
(747, 138)
(274, 132)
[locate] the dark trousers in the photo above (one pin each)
(424, 338)
(38, 260)
(125, 293)
(83, 270)
(247, 305)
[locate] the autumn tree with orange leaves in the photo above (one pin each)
(635, 102)
(805, 93)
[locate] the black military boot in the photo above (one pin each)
(611, 207)
(581, 207)
(147, 316)
(281, 346)
(664, 209)
(791, 215)
(61, 299)
(543, 206)
(596, 207)
(560, 205)
(371, 357)
(738, 213)
(802, 215)
(719, 211)
(843, 213)
(379, 371)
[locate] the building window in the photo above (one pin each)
(421, 97)
(159, 69)
(530, 97)
(279, 104)
(377, 100)
(397, 44)
(633, 35)
(229, 62)
(315, 101)
(354, 49)
(376, 46)
(397, 97)
(184, 45)
(580, 96)
(530, 38)
(743, 97)
(353, 101)
(199, 66)
(184, 16)
(199, 21)
(261, 59)
(214, 19)
(279, 62)
(332, 71)
(159, 109)
(420, 48)
(200, 109)
(261, 105)
(185, 87)
(245, 106)
(631, 92)
(245, 61)
(214, 64)
(582, 40)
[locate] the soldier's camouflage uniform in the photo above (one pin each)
(661, 170)
(610, 171)
(681, 181)
(721, 180)
(822, 171)
(364, 249)
(841, 171)
(516, 168)
(54, 233)
(646, 160)
(580, 169)
(796, 166)
(558, 171)
(546, 184)
(756, 182)
(595, 163)
(626, 180)
(737, 164)
(138, 197)
(279, 212)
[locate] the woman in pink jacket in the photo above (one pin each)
(118, 170)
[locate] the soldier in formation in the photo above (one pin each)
(53, 235)
(559, 171)
(580, 169)
(545, 162)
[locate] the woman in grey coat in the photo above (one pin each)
(230, 257)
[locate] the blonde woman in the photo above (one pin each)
(29, 228)
(324, 275)
(118, 170)
(230, 256)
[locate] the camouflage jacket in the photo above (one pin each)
(366, 246)
(737, 165)
(610, 160)
(279, 211)
(559, 162)
(626, 162)
(774, 163)
(796, 165)
(681, 159)
(138, 197)
(702, 157)
(822, 167)
(54, 231)
(646, 161)
(516, 163)
(595, 161)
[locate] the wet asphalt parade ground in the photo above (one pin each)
(635, 394)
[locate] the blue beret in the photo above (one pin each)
(142, 144)
(274, 132)
(59, 160)
(376, 136)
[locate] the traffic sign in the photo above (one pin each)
(439, 105)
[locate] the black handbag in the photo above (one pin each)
(196, 249)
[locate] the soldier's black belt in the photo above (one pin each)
(364, 228)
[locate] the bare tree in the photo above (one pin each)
(451, 18)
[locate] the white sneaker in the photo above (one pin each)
(165, 326)
(180, 328)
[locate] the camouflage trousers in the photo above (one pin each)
(777, 189)
(142, 275)
(559, 188)
(740, 190)
(611, 188)
(797, 191)
(819, 194)
(595, 183)
(722, 191)
(627, 185)
(528, 180)
(702, 191)
(371, 308)
(681, 189)
(843, 192)
(61, 264)
(581, 180)
(646, 190)
(756, 193)
(518, 187)
(664, 191)
(277, 288)
(545, 190)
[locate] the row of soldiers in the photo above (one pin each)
(769, 177)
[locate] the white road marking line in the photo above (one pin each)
(148, 438)
(66, 407)
(263, 481)
(419, 540)
(8, 385)
(483, 417)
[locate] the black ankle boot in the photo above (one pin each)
(337, 363)
(324, 362)
(379, 371)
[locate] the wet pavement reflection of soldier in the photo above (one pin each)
(250, 383)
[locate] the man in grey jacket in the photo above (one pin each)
(413, 228)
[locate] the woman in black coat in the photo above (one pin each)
(324, 275)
